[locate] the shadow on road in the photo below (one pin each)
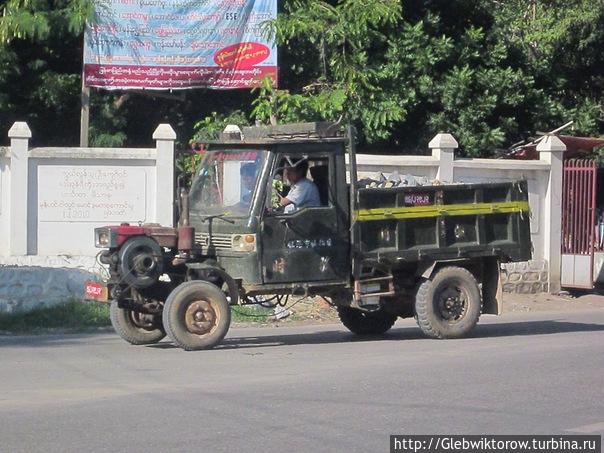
(545, 327)
(286, 338)
(404, 333)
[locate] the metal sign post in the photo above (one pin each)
(84, 111)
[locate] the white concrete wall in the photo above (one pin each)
(4, 198)
(422, 166)
(70, 196)
(51, 199)
(62, 194)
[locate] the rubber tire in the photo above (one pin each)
(428, 318)
(176, 306)
(125, 328)
(366, 323)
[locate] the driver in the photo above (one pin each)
(303, 192)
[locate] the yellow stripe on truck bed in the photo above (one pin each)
(414, 212)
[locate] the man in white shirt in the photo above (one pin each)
(303, 192)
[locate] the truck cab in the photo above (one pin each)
(234, 206)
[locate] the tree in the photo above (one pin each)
(39, 19)
(41, 81)
(491, 72)
(402, 76)
(562, 41)
(342, 45)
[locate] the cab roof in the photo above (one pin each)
(283, 134)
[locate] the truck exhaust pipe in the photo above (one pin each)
(186, 233)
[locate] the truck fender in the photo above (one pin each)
(426, 269)
(492, 293)
(231, 283)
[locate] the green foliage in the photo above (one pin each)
(278, 187)
(562, 42)
(41, 41)
(38, 19)
(205, 130)
(209, 127)
(73, 314)
(491, 72)
(403, 75)
(107, 129)
(344, 35)
(320, 101)
(383, 72)
(480, 97)
(251, 314)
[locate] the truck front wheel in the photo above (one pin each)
(448, 305)
(197, 315)
(134, 327)
(366, 323)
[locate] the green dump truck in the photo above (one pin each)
(377, 251)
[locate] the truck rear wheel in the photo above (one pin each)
(134, 327)
(448, 305)
(366, 323)
(197, 315)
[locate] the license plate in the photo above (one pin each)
(96, 291)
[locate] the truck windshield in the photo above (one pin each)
(225, 181)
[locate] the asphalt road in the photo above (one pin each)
(310, 388)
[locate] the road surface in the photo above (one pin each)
(306, 388)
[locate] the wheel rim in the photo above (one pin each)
(452, 303)
(201, 318)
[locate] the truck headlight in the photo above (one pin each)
(243, 242)
(104, 238)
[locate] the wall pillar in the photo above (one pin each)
(19, 136)
(551, 150)
(443, 148)
(164, 137)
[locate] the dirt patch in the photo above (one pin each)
(315, 309)
(309, 310)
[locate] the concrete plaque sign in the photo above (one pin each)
(91, 194)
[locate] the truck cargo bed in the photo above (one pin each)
(444, 222)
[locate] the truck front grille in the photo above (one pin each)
(216, 242)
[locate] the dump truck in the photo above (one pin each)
(377, 251)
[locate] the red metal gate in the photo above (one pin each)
(580, 236)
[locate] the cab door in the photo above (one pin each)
(310, 244)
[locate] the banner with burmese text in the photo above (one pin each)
(179, 44)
